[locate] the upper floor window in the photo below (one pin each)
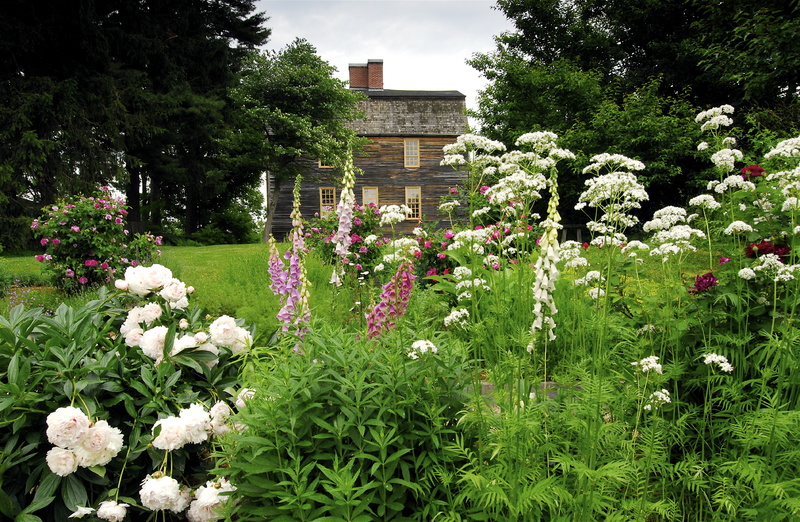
(369, 195)
(327, 200)
(414, 202)
(411, 153)
(321, 164)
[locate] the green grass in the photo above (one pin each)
(228, 280)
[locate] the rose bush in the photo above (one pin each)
(87, 242)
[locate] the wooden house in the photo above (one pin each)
(406, 131)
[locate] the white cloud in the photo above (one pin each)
(423, 43)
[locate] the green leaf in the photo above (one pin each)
(6, 506)
(27, 517)
(73, 492)
(98, 470)
(39, 503)
(48, 485)
(13, 369)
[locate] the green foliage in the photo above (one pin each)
(348, 429)
(87, 241)
(295, 108)
(623, 77)
(78, 357)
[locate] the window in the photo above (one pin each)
(327, 200)
(369, 195)
(411, 153)
(322, 165)
(414, 202)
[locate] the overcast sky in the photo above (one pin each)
(423, 43)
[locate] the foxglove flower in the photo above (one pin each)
(393, 301)
(345, 210)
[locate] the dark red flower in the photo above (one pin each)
(703, 283)
(765, 247)
(752, 171)
(759, 249)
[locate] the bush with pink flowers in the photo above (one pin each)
(86, 241)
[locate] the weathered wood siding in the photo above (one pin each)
(382, 166)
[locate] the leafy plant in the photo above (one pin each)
(349, 429)
(122, 367)
(87, 242)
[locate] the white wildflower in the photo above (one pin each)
(737, 227)
(649, 364)
(658, 398)
(719, 360)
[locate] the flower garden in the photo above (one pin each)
(482, 370)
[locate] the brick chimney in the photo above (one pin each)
(367, 75)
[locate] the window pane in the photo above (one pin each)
(414, 201)
(327, 200)
(369, 195)
(411, 153)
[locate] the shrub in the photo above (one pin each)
(365, 239)
(349, 429)
(98, 398)
(87, 242)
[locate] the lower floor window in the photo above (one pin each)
(414, 202)
(327, 200)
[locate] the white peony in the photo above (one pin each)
(242, 342)
(245, 395)
(174, 290)
(150, 312)
(152, 342)
(172, 435)
(187, 341)
(208, 347)
(161, 493)
(81, 512)
(133, 337)
(219, 412)
(66, 427)
(156, 276)
(62, 461)
(198, 423)
(135, 281)
(224, 331)
(88, 457)
(98, 437)
(112, 511)
(207, 501)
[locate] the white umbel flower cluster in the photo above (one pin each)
(786, 149)
(457, 318)
(648, 364)
(421, 347)
(658, 398)
(721, 361)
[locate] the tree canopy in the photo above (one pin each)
(297, 109)
(132, 93)
(627, 76)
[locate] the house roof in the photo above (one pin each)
(389, 112)
(398, 93)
